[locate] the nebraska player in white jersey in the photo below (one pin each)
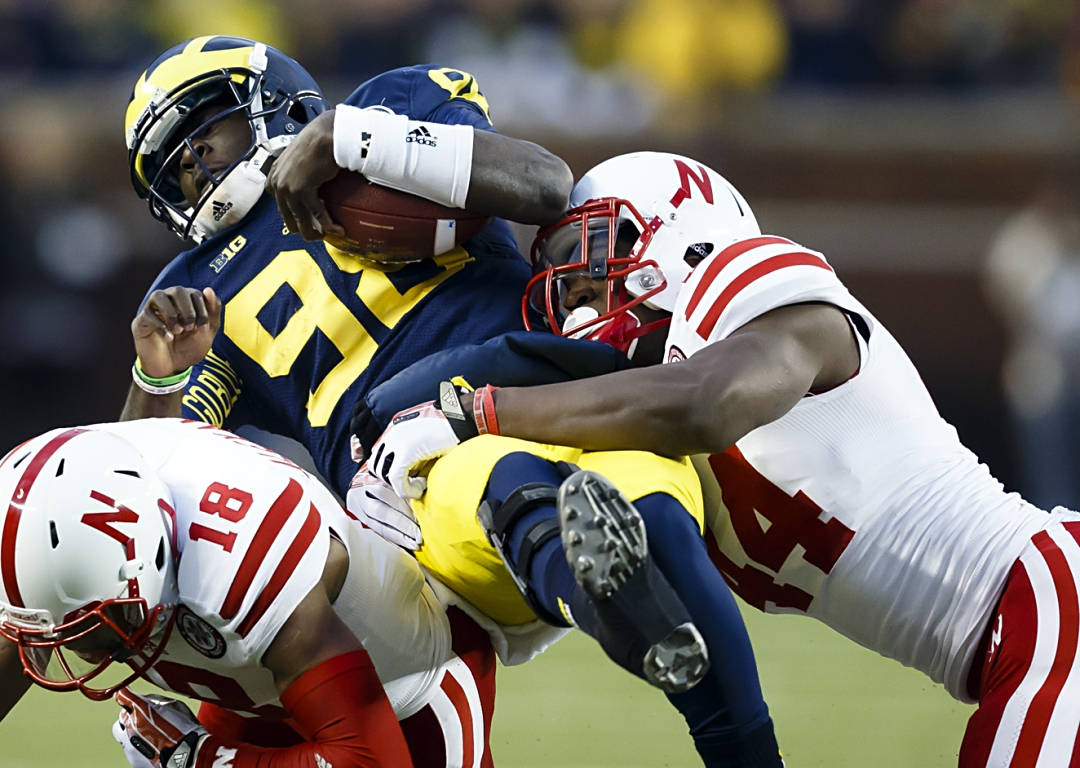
(221, 571)
(842, 493)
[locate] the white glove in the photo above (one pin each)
(156, 731)
(374, 502)
(416, 436)
(135, 758)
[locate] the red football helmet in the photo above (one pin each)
(87, 560)
(639, 223)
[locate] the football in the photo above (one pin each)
(381, 222)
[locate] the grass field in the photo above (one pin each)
(834, 705)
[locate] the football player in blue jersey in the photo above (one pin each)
(309, 329)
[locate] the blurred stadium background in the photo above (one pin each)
(930, 148)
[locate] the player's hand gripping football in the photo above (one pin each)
(296, 175)
(175, 328)
(156, 731)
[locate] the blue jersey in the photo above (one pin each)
(308, 330)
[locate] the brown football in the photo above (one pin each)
(380, 221)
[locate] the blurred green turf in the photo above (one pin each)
(834, 705)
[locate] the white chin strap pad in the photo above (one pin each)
(231, 201)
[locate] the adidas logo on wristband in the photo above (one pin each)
(420, 135)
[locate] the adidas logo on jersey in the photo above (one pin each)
(420, 135)
(219, 209)
(322, 762)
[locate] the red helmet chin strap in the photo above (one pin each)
(623, 331)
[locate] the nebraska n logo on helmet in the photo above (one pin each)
(87, 560)
(273, 91)
(639, 222)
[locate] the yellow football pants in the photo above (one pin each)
(456, 549)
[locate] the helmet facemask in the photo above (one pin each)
(79, 653)
(271, 91)
(602, 240)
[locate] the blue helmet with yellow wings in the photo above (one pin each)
(233, 75)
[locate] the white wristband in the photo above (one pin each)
(151, 389)
(431, 160)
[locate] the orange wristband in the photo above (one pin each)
(484, 410)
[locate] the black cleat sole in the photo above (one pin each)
(605, 544)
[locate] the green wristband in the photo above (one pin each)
(166, 381)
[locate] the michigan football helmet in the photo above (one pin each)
(639, 223)
(277, 96)
(87, 560)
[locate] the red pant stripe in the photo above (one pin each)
(1037, 718)
(1029, 698)
(456, 694)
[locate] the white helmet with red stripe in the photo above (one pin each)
(641, 222)
(87, 559)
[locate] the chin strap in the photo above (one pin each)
(621, 331)
(233, 198)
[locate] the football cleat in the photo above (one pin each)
(648, 628)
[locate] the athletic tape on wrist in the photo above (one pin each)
(432, 160)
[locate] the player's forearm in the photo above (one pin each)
(340, 708)
(517, 180)
(701, 405)
(641, 409)
(143, 405)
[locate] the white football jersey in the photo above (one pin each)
(859, 506)
(252, 534)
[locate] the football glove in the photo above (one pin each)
(373, 501)
(418, 436)
(156, 731)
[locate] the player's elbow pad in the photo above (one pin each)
(340, 708)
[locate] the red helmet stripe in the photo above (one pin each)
(14, 513)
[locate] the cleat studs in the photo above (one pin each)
(584, 564)
(575, 538)
(572, 514)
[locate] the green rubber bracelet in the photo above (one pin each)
(166, 381)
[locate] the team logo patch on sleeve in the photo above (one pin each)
(199, 634)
